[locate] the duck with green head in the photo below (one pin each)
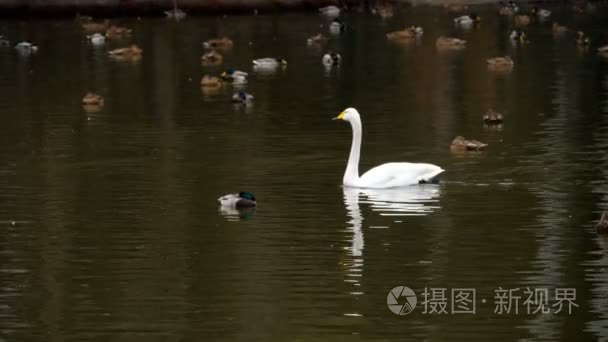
(243, 199)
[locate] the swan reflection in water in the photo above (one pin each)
(241, 214)
(415, 200)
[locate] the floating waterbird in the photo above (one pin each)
(92, 99)
(387, 175)
(330, 59)
(448, 43)
(492, 118)
(242, 97)
(243, 199)
(461, 144)
(212, 58)
(218, 43)
(269, 63)
(97, 39)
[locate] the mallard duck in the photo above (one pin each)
(331, 11)
(330, 59)
(176, 14)
(212, 58)
(492, 118)
(521, 20)
(218, 43)
(602, 226)
(243, 199)
(603, 51)
(92, 99)
(581, 39)
(450, 43)
(117, 32)
(542, 14)
(26, 48)
(413, 32)
(93, 27)
(558, 29)
(97, 39)
(132, 50)
(268, 63)
(336, 26)
(455, 7)
(234, 76)
(317, 40)
(467, 21)
(500, 63)
(211, 81)
(461, 144)
(242, 97)
(517, 37)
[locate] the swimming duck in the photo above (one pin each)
(461, 144)
(97, 39)
(509, 8)
(218, 43)
(93, 27)
(413, 32)
(517, 37)
(26, 48)
(92, 99)
(331, 11)
(581, 39)
(117, 32)
(211, 58)
(243, 199)
(603, 51)
(4, 42)
(268, 63)
(467, 21)
(128, 51)
(234, 76)
(542, 14)
(242, 97)
(492, 118)
(500, 63)
(176, 14)
(210, 81)
(330, 59)
(521, 20)
(318, 39)
(450, 43)
(558, 29)
(336, 26)
(602, 226)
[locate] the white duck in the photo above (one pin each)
(26, 48)
(331, 11)
(97, 39)
(389, 175)
(268, 63)
(467, 21)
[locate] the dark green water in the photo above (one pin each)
(118, 236)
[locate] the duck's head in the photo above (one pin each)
(281, 61)
(348, 114)
(247, 195)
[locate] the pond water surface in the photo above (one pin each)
(111, 228)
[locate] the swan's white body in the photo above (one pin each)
(389, 175)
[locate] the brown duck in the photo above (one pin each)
(461, 144)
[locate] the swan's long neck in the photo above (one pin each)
(351, 175)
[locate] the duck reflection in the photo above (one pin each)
(241, 214)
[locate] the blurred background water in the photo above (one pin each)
(111, 228)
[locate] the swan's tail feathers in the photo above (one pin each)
(432, 177)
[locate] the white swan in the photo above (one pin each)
(389, 175)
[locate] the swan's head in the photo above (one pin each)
(348, 115)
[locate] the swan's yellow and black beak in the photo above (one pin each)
(339, 117)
